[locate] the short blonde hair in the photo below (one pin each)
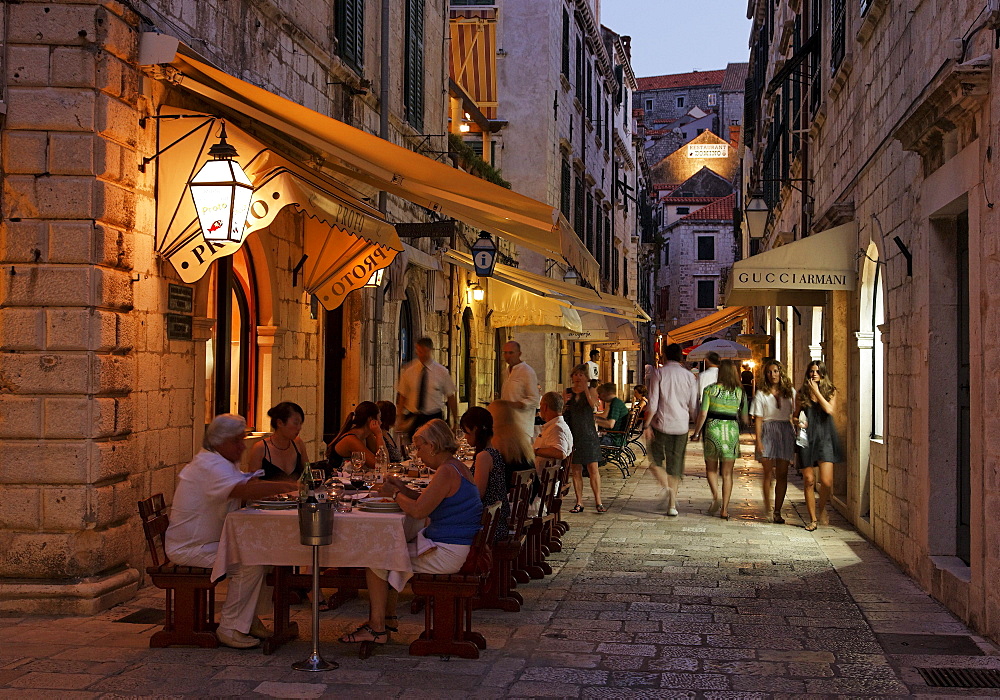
(508, 437)
(438, 435)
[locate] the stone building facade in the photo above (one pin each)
(101, 402)
(899, 150)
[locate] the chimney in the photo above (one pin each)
(627, 43)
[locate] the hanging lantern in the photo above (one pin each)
(222, 192)
(477, 293)
(375, 281)
(756, 215)
(484, 255)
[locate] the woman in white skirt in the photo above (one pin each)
(773, 407)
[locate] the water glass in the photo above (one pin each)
(345, 503)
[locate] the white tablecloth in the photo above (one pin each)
(271, 538)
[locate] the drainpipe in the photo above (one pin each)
(383, 205)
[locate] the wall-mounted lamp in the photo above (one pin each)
(476, 293)
(375, 281)
(571, 275)
(756, 214)
(221, 192)
(464, 126)
(484, 255)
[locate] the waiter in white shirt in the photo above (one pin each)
(520, 387)
(593, 369)
(423, 389)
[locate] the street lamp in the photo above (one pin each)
(477, 293)
(375, 281)
(756, 214)
(484, 255)
(571, 275)
(221, 192)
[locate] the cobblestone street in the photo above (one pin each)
(639, 605)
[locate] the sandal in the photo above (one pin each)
(601, 508)
(576, 509)
(812, 526)
(393, 627)
(351, 637)
(777, 519)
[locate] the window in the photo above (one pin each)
(413, 68)
(565, 44)
(680, 100)
(683, 211)
(465, 374)
(701, 131)
(713, 99)
(706, 294)
(405, 331)
(580, 79)
(350, 32)
(838, 19)
(649, 105)
(566, 185)
(666, 252)
(706, 247)
(579, 210)
(589, 229)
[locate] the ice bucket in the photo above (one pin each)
(316, 523)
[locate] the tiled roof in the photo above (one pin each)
(662, 187)
(688, 200)
(719, 210)
(638, 111)
(680, 80)
(735, 77)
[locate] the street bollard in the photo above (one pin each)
(315, 530)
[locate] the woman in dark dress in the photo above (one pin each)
(488, 469)
(818, 399)
(579, 415)
(282, 454)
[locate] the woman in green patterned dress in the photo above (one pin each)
(721, 406)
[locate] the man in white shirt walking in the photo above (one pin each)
(423, 389)
(520, 388)
(710, 375)
(673, 405)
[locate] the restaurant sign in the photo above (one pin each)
(708, 150)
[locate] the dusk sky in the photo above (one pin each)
(678, 36)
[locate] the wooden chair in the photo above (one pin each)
(498, 591)
(448, 609)
(190, 591)
(619, 453)
(518, 570)
(559, 526)
(532, 559)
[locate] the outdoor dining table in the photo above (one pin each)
(271, 538)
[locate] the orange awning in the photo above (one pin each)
(397, 170)
(708, 325)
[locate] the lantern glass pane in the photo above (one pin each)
(222, 192)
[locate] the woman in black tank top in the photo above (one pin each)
(282, 455)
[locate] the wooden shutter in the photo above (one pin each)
(413, 70)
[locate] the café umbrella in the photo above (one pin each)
(726, 350)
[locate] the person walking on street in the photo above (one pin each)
(746, 377)
(520, 388)
(593, 369)
(579, 415)
(423, 389)
(723, 407)
(709, 375)
(818, 398)
(673, 404)
(772, 409)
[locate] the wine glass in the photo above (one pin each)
(370, 476)
(357, 474)
(411, 450)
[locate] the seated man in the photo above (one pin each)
(555, 441)
(209, 487)
(614, 417)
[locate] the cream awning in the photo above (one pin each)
(580, 298)
(799, 273)
(400, 171)
(344, 239)
(707, 325)
(517, 308)
(609, 332)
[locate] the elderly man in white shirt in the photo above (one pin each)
(209, 487)
(555, 441)
(673, 405)
(520, 388)
(424, 387)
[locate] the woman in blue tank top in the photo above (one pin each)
(450, 502)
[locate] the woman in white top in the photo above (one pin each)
(772, 409)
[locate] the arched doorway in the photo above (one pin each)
(466, 376)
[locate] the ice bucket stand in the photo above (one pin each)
(315, 530)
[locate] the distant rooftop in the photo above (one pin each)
(735, 77)
(719, 210)
(680, 80)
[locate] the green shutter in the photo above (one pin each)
(413, 71)
(350, 32)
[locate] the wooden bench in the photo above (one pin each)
(448, 607)
(190, 592)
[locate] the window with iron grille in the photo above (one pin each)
(706, 294)
(566, 185)
(350, 32)
(838, 33)
(413, 68)
(565, 44)
(706, 247)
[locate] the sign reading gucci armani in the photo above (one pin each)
(794, 279)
